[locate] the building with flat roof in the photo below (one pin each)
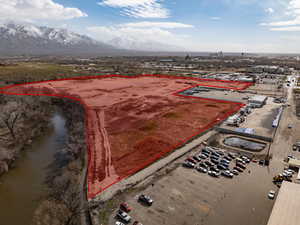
(258, 100)
(287, 206)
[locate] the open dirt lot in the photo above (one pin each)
(133, 122)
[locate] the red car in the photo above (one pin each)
(125, 207)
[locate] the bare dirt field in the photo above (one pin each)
(133, 122)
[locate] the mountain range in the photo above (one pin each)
(20, 39)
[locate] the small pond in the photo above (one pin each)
(238, 142)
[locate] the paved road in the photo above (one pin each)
(285, 137)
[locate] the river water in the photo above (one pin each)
(23, 186)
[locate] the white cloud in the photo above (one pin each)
(33, 10)
(291, 10)
(269, 10)
(289, 28)
(142, 35)
(215, 18)
(139, 8)
(167, 25)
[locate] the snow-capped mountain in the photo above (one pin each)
(20, 39)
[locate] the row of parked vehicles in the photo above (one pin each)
(216, 162)
(286, 175)
(124, 210)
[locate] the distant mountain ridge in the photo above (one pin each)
(20, 39)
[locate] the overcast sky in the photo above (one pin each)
(193, 25)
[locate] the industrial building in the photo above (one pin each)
(287, 205)
(258, 101)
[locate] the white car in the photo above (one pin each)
(287, 174)
(119, 223)
(290, 171)
(271, 194)
(227, 173)
(201, 169)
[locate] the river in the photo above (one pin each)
(23, 186)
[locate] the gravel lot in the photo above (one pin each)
(187, 197)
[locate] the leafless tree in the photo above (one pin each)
(10, 114)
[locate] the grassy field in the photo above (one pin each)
(26, 72)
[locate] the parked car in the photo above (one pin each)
(222, 167)
(214, 169)
(291, 171)
(213, 173)
(137, 223)
(190, 159)
(206, 154)
(227, 173)
(145, 199)
(231, 155)
(206, 151)
(210, 164)
(125, 207)
(291, 157)
(261, 162)
(239, 160)
(296, 146)
(214, 157)
(220, 152)
(225, 161)
(290, 126)
(187, 164)
(202, 156)
(119, 223)
(271, 194)
(241, 165)
(215, 154)
(123, 216)
(235, 172)
(245, 159)
(238, 169)
(202, 169)
(203, 164)
(287, 174)
(215, 161)
(196, 158)
(227, 158)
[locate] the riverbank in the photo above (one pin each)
(22, 119)
(65, 202)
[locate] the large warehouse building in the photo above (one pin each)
(287, 205)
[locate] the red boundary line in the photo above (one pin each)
(159, 155)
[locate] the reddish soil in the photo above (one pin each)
(133, 122)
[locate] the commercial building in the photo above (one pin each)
(287, 205)
(258, 101)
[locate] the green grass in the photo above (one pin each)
(107, 210)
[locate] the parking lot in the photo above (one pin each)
(188, 197)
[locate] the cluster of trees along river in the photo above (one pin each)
(42, 161)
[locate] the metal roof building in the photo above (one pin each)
(259, 100)
(294, 163)
(287, 205)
